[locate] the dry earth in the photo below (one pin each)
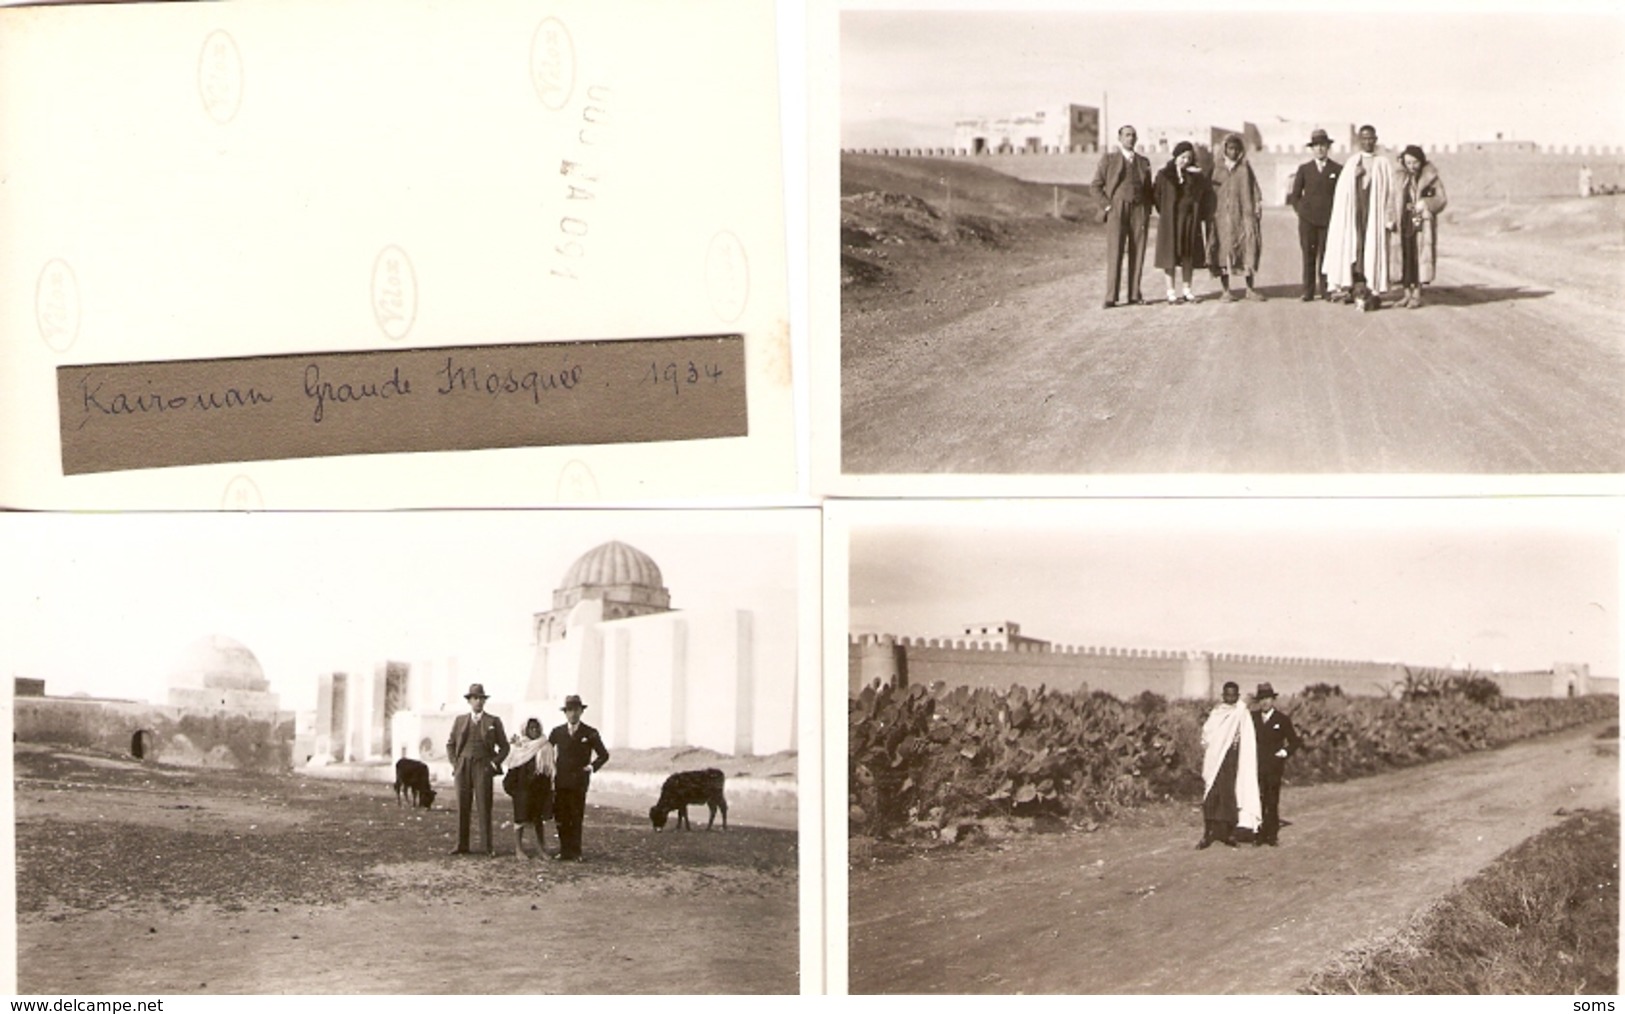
(1134, 909)
(138, 879)
(996, 356)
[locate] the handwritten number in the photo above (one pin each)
(679, 376)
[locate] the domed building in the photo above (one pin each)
(654, 676)
(217, 673)
(622, 577)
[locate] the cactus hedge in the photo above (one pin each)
(924, 758)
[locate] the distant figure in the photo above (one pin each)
(1313, 186)
(1585, 181)
(1418, 199)
(530, 782)
(1238, 217)
(1229, 771)
(1356, 251)
(1184, 226)
(476, 749)
(1123, 185)
(579, 751)
(1277, 740)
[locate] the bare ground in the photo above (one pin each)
(1134, 909)
(138, 879)
(1002, 360)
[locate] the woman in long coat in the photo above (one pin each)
(530, 782)
(1417, 199)
(1238, 211)
(1184, 229)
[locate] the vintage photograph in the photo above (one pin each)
(1082, 242)
(1211, 747)
(445, 752)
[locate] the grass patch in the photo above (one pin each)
(1542, 919)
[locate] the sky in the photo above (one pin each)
(107, 604)
(1474, 584)
(1552, 78)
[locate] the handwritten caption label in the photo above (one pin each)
(118, 416)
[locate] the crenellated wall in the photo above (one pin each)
(1125, 672)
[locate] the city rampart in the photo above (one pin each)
(1468, 175)
(1126, 672)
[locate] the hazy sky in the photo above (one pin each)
(1470, 584)
(107, 604)
(1553, 78)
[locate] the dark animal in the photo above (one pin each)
(686, 788)
(412, 783)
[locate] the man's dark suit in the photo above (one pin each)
(476, 751)
(1274, 734)
(1311, 197)
(1124, 190)
(578, 755)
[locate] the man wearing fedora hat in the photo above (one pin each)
(476, 750)
(1277, 740)
(579, 752)
(1313, 187)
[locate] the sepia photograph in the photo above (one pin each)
(1226, 747)
(443, 752)
(1083, 242)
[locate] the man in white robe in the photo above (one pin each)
(1229, 771)
(1357, 237)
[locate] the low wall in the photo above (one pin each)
(1471, 176)
(166, 735)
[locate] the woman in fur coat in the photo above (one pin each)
(1417, 199)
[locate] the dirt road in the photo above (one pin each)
(140, 879)
(1500, 373)
(1138, 910)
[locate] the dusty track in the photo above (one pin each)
(137, 879)
(1138, 910)
(1500, 373)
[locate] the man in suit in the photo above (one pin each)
(476, 750)
(1313, 186)
(1123, 185)
(579, 751)
(1277, 740)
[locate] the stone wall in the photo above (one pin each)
(1467, 175)
(1126, 672)
(167, 735)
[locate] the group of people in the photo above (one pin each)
(1244, 755)
(1363, 227)
(547, 777)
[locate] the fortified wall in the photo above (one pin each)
(1468, 174)
(1127, 672)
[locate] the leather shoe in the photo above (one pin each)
(459, 852)
(1204, 843)
(1108, 304)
